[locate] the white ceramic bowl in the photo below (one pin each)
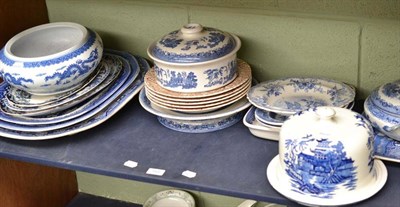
(51, 58)
(326, 158)
(195, 59)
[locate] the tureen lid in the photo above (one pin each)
(193, 43)
(387, 97)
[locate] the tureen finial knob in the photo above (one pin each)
(191, 28)
(325, 112)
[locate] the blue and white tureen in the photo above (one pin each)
(326, 158)
(51, 58)
(195, 58)
(382, 108)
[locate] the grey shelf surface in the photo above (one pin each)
(229, 162)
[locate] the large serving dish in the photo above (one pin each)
(195, 58)
(51, 58)
(105, 78)
(290, 95)
(196, 123)
(386, 148)
(90, 118)
(326, 158)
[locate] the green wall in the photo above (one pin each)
(356, 41)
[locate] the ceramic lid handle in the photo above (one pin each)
(191, 28)
(325, 113)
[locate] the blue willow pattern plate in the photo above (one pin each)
(79, 109)
(62, 112)
(290, 95)
(386, 148)
(107, 75)
(92, 118)
(19, 98)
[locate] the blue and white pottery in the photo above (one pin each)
(195, 58)
(91, 118)
(258, 129)
(386, 148)
(50, 58)
(326, 158)
(386, 122)
(196, 123)
(269, 117)
(22, 99)
(126, 77)
(290, 95)
(387, 97)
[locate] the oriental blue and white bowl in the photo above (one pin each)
(51, 58)
(195, 59)
(326, 158)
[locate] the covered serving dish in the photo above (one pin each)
(382, 108)
(326, 158)
(195, 58)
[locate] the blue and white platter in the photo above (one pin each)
(196, 123)
(76, 111)
(281, 183)
(112, 65)
(290, 95)
(386, 148)
(92, 116)
(20, 98)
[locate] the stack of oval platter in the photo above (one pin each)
(116, 80)
(198, 112)
(274, 101)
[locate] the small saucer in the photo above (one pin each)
(281, 183)
(170, 198)
(268, 117)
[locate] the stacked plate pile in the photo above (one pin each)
(382, 109)
(37, 112)
(274, 101)
(197, 84)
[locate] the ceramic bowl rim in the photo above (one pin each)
(27, 32)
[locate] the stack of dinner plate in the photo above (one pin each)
(198, 112)
(115, 80)
(197, 84)
(274, 101)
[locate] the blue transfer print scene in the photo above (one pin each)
(318, 166)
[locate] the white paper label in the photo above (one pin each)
(155, 171)
(189, 174)
(130, 163)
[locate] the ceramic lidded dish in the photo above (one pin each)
(195, 58)
(382, 108)
(326, 158)
(51, 58)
